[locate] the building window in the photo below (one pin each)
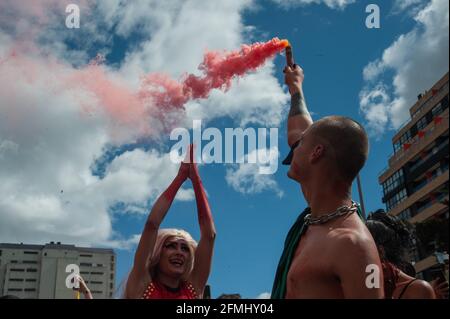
(397, 147)
(402, 140)
(86, 264)
(17, 269)
(30, 280)
(15, 279)
(13, 261)
(30, 289)
(97, 282)
(31, 252)
(394, 181)
(96, 273)
(396, 199)
(14, 289)
(85, 255)
(29, 262)
(31, 270)
(422, 123)
(405, 215)
(84, 272)
(437, 109)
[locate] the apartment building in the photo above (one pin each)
(415, 183)
(39, 271)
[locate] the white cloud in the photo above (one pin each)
(374, 104)
(47, 146)
(402, 5)
(48, 190)
(334, 4)
(418, 59)
(125, 244)
(264, 295)
(245, 102)
(247, 179)
(373, 70)
(7, 147)
(178, 37)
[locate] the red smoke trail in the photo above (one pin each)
(219, 69)
(150, 109)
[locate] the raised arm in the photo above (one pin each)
(204, 251)
(83, 288)
(299, 118)
(139, 276)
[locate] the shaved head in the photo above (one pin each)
(348, 141)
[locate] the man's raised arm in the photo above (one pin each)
(299, 118)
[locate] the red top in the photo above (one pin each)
(157, 291)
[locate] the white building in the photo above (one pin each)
(39, 271)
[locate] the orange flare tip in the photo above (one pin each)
(285, 43)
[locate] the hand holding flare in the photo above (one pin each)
(293, 74)
(289, 57)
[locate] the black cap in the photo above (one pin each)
(288, 159)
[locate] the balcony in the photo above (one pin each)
(432, 132)
(426, 189)
(430, 209)
(437, 258)
(421, 108)
(426, 158)
(439, 172)
(426, 263)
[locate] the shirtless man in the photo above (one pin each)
(325, 258)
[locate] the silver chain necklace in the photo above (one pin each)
(343, 210)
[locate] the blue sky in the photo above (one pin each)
(111, 177)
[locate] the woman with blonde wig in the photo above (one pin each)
(168, 263)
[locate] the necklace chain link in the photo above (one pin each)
(343, 210)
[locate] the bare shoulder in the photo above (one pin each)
(353, 251)
(352, 238)
(355, 243)
(419, 289)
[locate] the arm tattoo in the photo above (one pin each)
(298, 105)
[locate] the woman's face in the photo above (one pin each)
(175, 255)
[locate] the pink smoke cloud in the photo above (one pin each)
(158, 96)
(219, 68)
